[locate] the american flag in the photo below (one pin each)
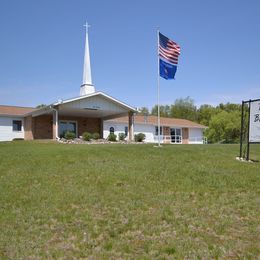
(168, 49)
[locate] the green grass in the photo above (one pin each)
(127, 201)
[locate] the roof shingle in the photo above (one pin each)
(15, 111)
(164, 121)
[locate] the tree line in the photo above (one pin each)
(223, 121)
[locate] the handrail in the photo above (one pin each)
(200, 139)
(178, 139)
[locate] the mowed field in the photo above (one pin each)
(127, 201)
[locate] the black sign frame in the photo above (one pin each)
(248, 126)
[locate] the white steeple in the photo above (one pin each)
(86, 87)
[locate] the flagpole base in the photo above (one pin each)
(158, 146)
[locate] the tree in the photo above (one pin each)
(164, 110)
(205, 113)
(229, 107)
(184, 108)
(224, 127)
(143, 111)
(41, 106)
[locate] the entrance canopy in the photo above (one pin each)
(95, 105)
(84, 113)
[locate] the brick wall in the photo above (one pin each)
(28, 123)
(43, 127)
(91, 125)
(167, 131)
(185, 135)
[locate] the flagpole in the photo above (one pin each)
(158, 89)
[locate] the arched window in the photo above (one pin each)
(126, 130)
(112, 130)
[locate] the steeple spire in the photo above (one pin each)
(86, 87)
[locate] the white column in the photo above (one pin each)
(130, 127)
(55, 125)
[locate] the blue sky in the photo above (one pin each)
(42, 49)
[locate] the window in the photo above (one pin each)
(67, 126)
(126, 130)
(17, 125)
(156, 130)
(112, 130)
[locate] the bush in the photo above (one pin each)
(86, 136)
(111, 137)
(69, 135)
(121, 136)
(96, 136)
(139, 137)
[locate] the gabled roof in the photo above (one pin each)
(15, 110)
(26, 111)
(99, 93)
(74, 105)
(164, 121)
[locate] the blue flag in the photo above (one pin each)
(167, 70)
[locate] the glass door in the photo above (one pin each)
(173, 135)
(176, 135)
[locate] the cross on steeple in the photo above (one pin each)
(87, 26)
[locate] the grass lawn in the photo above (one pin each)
(127, 201)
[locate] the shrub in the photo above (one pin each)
(121, 136)
(96, 136)
(139, 137)
(111, 137)
(69, 135)
(86, 136)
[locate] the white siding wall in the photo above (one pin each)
(119, 128)
(148, 130)
(195, 136)
(6, 129)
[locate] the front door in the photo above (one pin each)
(67, 126)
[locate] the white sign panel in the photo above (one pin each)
(254, 126)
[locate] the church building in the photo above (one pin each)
(85, 113)
(93, 112)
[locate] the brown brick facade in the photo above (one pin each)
(185, 135)
(91, 125)
(167, 132)
(42, 127)
(28, 128)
